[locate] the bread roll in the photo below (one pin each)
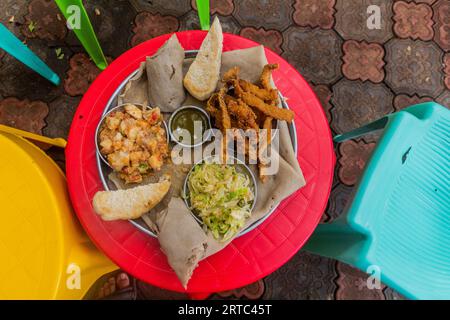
(203, 74)
(130, 203)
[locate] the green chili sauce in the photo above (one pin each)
(185, 119)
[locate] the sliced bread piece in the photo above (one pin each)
(203, 74)
(130, 203)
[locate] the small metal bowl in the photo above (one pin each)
(241, 167)
(102, 123)
(208, 131)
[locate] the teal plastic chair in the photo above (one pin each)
(85, 33)
(399, 218)
(12, 45)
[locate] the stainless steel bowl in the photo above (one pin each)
(204, 139)
(240, 167)
(102, 123)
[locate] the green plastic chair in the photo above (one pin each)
(399, 218)
(85, 33)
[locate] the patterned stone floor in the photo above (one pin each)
(358, 74)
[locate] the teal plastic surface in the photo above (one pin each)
(399, 218)
(12, 45)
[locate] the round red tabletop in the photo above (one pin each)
(246, 259)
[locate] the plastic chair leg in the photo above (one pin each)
(85, 33)
(368, 128)
(21, 52)
(203, 13)
(338, 241)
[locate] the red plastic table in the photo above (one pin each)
(246, 259)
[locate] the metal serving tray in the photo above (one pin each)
(105, 170)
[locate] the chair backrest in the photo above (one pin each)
(44, 249)
(403, 203)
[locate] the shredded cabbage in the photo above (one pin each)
(221, 197)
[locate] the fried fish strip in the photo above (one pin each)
(268, 126)
(268, 95)
(218, 112)
(244, 115)
(265, 75)
(225, 117)
(268, 110)
(263, 146)
(231, 74)
(211, 106)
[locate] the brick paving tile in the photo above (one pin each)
(148, 25)
(222, 7)
(16, 8)
(270, 14)
(442, 24)
(23, 114)
(57, 154)
(319, 50)
(44, 20)
(402, 101)
(363, 61)
(330, 212)
(270, 38)
(2, 54)
(190, 21)
(305, 276)
(81, 74)
(17, 80)
(414, 67)
(351, 20)
(357, 103)
(175, 8)
(325, 217)
(314, 13)
(252, 291)
(146, 291)
(112, 25)
(447, 70)
(324, 93)
(419, 1)
(354, 156)
(352, 285)
(339, 197)
(413, 20)
(444, 99)
(61, 112)
(391, 294)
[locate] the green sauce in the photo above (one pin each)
(185, 119)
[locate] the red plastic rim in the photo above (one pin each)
(245, 260)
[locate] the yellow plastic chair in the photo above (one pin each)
(44, 252)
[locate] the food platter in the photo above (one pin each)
(104, 170)
(248, 258)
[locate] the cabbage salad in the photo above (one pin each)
(221, 197)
